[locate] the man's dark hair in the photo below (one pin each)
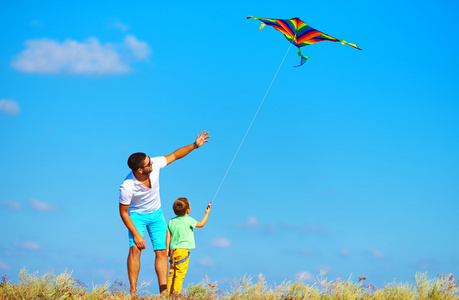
(136, 161)
(180, 206)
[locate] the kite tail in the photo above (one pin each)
(350, 44)
(303, 59)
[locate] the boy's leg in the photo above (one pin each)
(177, 271)
(170, 279)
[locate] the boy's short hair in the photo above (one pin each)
(181, 205)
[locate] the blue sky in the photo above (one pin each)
(352, 165)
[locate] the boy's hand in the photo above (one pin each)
(208, 208)
(204, 220)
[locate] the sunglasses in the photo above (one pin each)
(149, 163)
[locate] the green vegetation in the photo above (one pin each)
(50, 286)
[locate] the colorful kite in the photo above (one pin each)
(299, 34)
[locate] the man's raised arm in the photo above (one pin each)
(184, 151)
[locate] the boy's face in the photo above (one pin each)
(189, 209)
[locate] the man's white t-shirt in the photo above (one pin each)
(139, 197)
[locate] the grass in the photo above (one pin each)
(50, 286)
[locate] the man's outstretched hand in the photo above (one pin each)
(202, 138)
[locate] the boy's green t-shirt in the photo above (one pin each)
(181, 228)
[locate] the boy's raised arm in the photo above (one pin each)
(204, 220)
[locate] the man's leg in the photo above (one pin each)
(133, 261)
(161, 269)
(133, 265)
(157, 230)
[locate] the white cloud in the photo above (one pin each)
(221, 243)
(206, 261)
(250, 222)
(422, 264)
(90, 57)
(4, 265)
(304, 276)
(324, 268)
(119, 25)
(331, 191)
(139, 50)
(36, 23)
(313, 228)
(28, 245)
(387, 267)
(344, 252)
(269, 229)
(307, 251)
(11, 204)
(9, 107)
(41, 205)
(375, 253)
(286, 225)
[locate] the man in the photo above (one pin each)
(140, 210)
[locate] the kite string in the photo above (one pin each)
(251, 123)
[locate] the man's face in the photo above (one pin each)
(148, 166)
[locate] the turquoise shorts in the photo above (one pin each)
(156, 226)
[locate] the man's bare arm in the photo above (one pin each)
(138, 239)
(184, 151)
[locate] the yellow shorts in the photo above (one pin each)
(177, 270)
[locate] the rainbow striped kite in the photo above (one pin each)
(299, 34)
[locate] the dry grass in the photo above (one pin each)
(50, 286)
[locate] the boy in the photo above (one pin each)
(179, 241)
